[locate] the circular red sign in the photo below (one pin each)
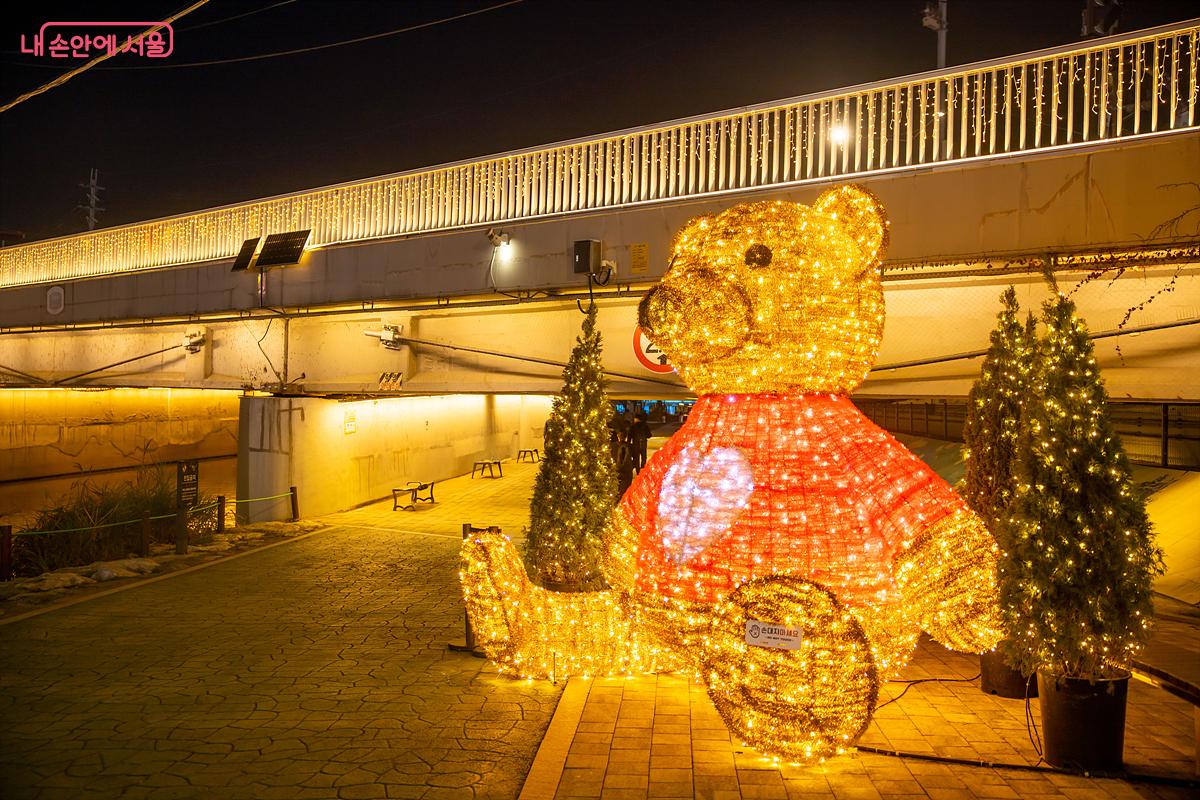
(647, 354)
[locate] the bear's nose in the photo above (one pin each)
(697, 317)
(758, 256)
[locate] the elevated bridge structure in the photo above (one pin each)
(1078, 165)
(1066, 162)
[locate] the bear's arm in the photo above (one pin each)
(910, 496)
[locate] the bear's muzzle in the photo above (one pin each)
(696, 316)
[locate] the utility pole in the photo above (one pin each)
(92, 198)
(936, 20)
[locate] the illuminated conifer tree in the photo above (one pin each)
(993, 420)
(576, 484)
(1080, 558)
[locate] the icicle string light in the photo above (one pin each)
(777, 503)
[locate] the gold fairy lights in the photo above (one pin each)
(777, 502)
(769, 296)
(1081, 557)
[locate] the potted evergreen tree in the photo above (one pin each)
(990, 433)
(1081, 558)
(575, 489)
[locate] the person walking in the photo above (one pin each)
(639, 437)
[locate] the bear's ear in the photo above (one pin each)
(692, 235)
(861, 213)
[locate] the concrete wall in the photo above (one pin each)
(932, 318)
(61, 431)
(926, 318)
(342, 454)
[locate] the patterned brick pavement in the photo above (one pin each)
(480, 501)
(655, 737)
(317, 669)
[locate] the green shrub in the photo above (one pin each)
(86, 506)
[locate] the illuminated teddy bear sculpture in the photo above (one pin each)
(780, 546)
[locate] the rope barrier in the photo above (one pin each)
(90, 527)
(134, 521)
(256, 499)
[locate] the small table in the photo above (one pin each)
(413, 489)
(490, 465)
(530, 455)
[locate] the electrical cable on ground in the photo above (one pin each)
(1139, 777)
(1040, 766)
(913, 683)
(1031, 730)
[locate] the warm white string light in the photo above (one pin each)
(776, 504)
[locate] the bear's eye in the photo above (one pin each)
(758, 255)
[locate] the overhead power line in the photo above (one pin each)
(66, 76)
(314, 48)
(223, 20)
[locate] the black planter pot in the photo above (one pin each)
(1083, 723)
(998, 678)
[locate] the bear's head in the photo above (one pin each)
(774, 296)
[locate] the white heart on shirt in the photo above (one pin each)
(702, 495)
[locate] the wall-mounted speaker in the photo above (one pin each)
(587, 256)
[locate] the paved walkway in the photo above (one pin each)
(480, 501)
(659, 737)
(318, 669)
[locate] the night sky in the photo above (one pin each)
(169, 139)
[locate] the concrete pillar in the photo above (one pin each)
(265, 450)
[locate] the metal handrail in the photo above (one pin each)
(1120, 87)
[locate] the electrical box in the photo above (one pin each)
(587, 256)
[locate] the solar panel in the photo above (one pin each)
(283, 248)
(245, 255)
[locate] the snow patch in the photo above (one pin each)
(55, 580)
(112, 573)
(134, 566)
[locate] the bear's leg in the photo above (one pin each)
(948, 578)
(802, 696)
(893, 633)
(533, 632)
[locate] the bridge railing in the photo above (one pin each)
(1115, 88)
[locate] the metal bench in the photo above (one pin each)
(529, 454)
(490, 465)
(414, 491)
